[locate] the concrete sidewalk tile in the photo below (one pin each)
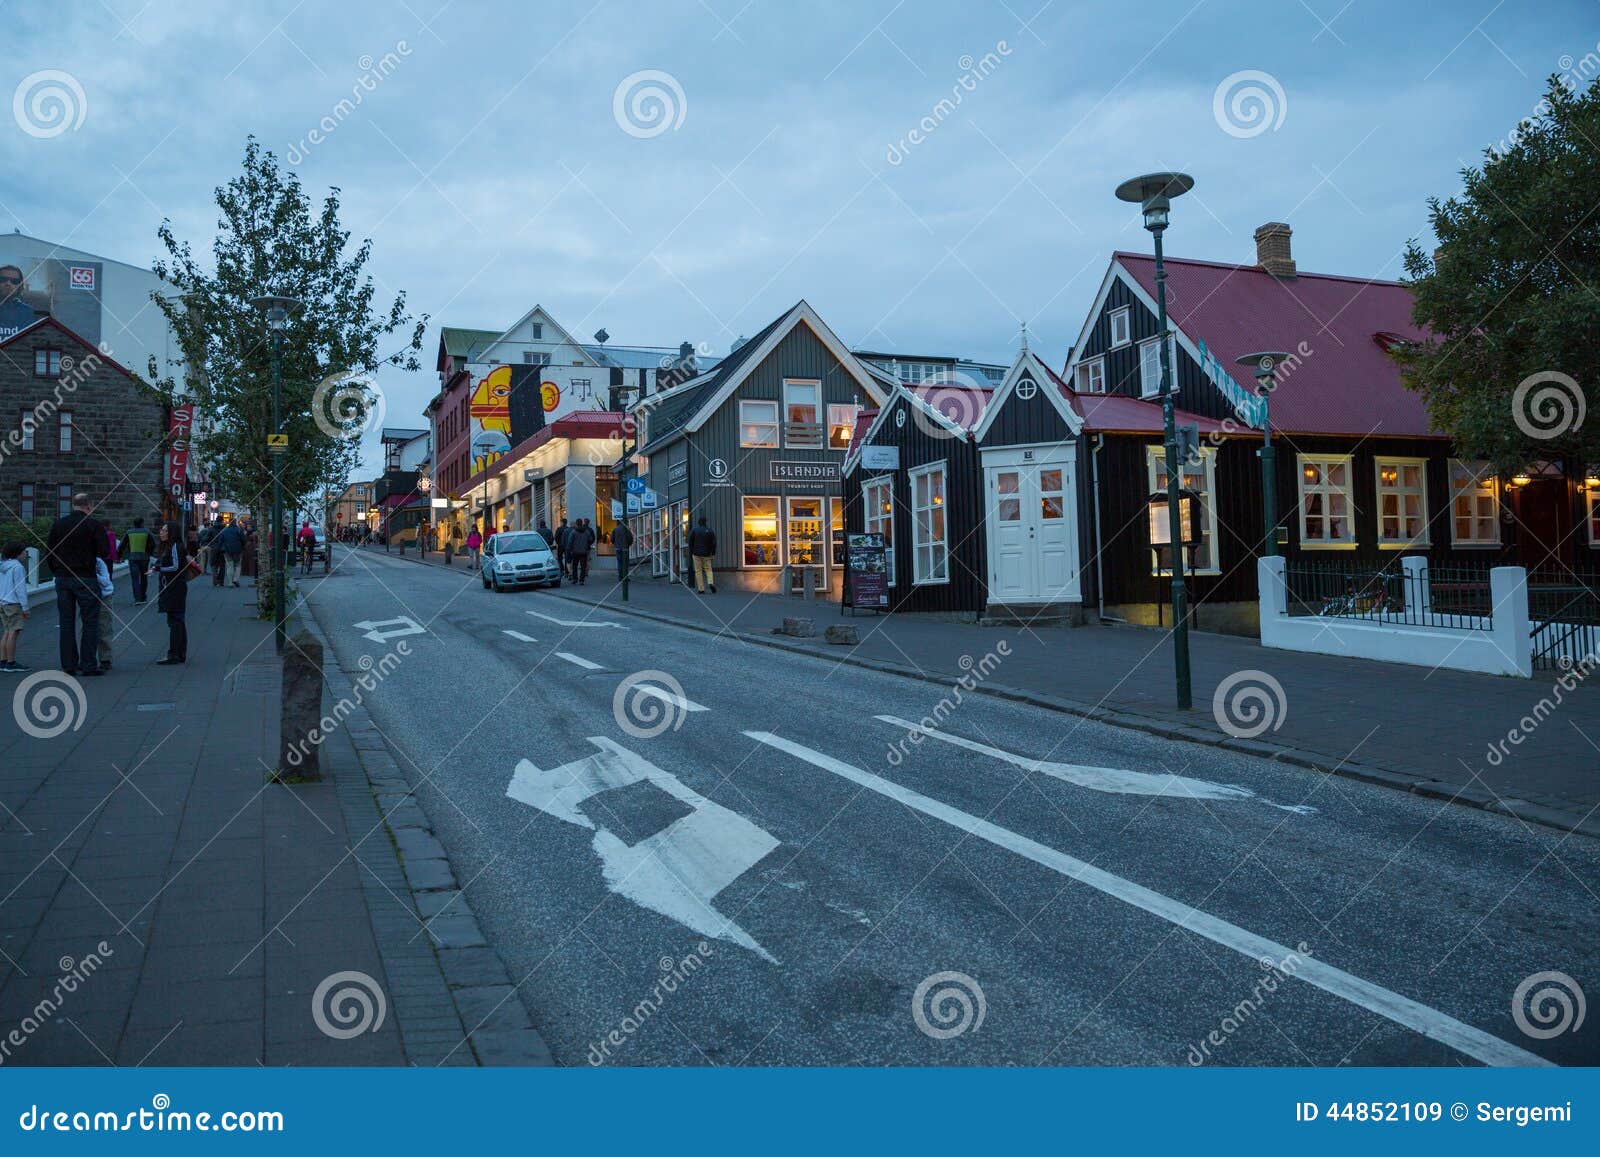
(469, 967)
(429, 875)
(491, 1008)
(416, 844)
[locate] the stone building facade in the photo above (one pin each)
(72, 419)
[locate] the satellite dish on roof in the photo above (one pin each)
(601, 336)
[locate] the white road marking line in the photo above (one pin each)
(520, 635)
(578, 660)
(575, 622)
(1475, 1043)
(1108, 779)
(675, 700)
(374, 629)
(676, 872)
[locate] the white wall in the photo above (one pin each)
(1502, 647)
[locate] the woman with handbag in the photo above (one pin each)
(174, 566)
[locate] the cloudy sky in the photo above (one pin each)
(928, 173)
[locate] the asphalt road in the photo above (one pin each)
(1096, 909)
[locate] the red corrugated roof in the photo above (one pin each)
(1119, 414)
(1346, 384)
(864, 419)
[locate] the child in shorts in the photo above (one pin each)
(13, 606)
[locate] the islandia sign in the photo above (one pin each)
(779, 471)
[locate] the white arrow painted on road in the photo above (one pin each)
(520, 635)
(1430, 1022)
(379, 630)
(676, 872)
(1108, 779)
(575, 622)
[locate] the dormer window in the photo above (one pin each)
(1091, 376)
(1120, 329)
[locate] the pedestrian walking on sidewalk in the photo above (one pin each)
(579, 543)
(563, 532)
(622, 540)
(474, 545)
(108, 622)
(75, 541)
(172, 599)
(13, 606)
(546, 533)
(702, 549)
(136, 548)
(229, 543)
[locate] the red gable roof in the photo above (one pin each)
(1346, 384)
(1119, 414)
(864, 419)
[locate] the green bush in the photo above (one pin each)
(31, 533)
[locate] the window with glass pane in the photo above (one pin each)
(1326, 502)
(29, 420)
(841, 425)
(63, 500)
(1092, 376)
(805, 532)
(1593, 498)
(1052, 504)
(1150, 368)
(929, 556)
(25, 502)
(1474, 504)
(1402, 501)
(758, 423)
(836, 529)
(877, 506)
(802, 401)
(1201, 478)
(64, 431)
(1007, 496)
(760, 528)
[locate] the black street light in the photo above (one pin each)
(1153, 193)
(1264, 364)
(276, 310)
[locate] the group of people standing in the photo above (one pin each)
(81, 550)
(573, 544)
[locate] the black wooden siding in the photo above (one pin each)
(1195, 392)
(967, 590)
(1028, 421)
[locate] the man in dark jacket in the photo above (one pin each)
(75, 541)
(546, 533)
(563, 531)
(230, 543)
(622, 539)
(583, 540)
(702, 549)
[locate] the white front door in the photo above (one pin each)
(1031, 509)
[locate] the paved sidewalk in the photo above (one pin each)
(1408, 727)
(162, 904)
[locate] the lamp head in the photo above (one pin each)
(1264, 364)
(1153, 193)
(276, 308)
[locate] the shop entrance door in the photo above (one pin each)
(808, 544)
(1031, 507)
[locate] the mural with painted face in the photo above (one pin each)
(490, 412)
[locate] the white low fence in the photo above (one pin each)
(1498, 645)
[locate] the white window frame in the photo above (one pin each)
(814, 386)
(1125, 318)
(939, 548)
(775, 423)
(777, 520)
(1400, 491)
(875, 519)
(1482, 486)
(1155, 466)
(1150, 384)
(1322, 461)
(842, 414)
(1091, 376)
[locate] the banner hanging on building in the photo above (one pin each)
(178, 457)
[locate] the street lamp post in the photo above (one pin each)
(1265, 363)
(276, 310)
(1153, 193)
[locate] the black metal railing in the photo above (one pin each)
(1453, 596)
(1564, 611)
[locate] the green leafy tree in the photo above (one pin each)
(270, 239)
(1511, 296)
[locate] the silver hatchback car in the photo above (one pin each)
(518, 558)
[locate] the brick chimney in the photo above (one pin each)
(1272, 249)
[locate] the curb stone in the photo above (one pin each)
(508, 1037)
(1571, 818)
